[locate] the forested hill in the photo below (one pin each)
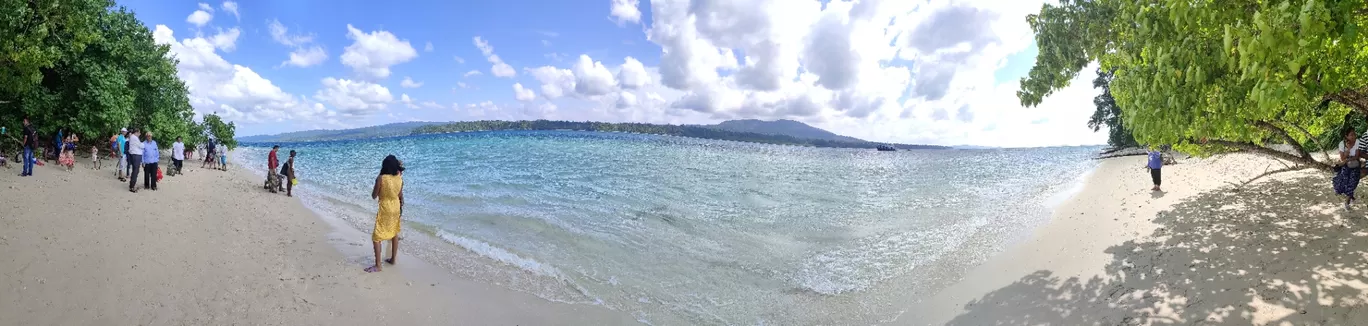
(696, 131)
(782, 127)
(381, 131)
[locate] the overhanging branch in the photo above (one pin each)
(1251, 147)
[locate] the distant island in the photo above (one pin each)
(782, 132)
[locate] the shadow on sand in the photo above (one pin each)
(1281, 252)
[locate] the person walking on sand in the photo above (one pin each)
(1155, 164)
(151, 155)
(389, 189)
(135, 159)
(273, 161)
(177, 155)
(1347, 172)
(208, 155)
(223, 156)
(30, 142)
(122, 166)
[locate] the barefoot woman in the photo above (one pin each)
(389, 188)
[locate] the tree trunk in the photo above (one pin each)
(1301, 150)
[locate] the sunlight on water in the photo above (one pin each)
(700, 231)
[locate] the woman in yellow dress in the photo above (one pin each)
(389, 189)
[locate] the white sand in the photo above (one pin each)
(213, 248)
(1279, 252)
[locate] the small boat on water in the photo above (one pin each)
(886, 148)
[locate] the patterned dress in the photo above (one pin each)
(387, 219)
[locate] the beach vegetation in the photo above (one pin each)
(1109, 115)
(89, 67)
(695, 131)
(1213, 76)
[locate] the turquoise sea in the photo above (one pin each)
(682, 231)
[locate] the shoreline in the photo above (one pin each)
(1116, 253)
(212, 247)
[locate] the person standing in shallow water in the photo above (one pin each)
(1347, 172)
(389, 189)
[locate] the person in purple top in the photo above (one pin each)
(1156, 162)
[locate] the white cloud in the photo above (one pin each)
(459, 60)
(592, 78)
(472, 73)
(555, 81)
(625, 11)
(428, 47)
(499, 68)
(407, 101)
(226, 40)
(305, 57)
(232, 8)
(633, 74)
(206, 7)
(199, 18)
(372, 54)
(462, 85)
(409, 83)
(523, 94)
(281, 34)
(430, 105)
(237, 92)
(354, 98)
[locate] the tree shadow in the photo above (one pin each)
(1278, 253)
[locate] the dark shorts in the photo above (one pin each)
(1154, 175)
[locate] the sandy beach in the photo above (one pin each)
(1278, 251)
(213, 248)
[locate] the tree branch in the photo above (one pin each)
(1268, 173)
(1251, 147)
(1301, 150)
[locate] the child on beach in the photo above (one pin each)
(95, 156)
(1154, 164)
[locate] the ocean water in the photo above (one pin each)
(682, 231)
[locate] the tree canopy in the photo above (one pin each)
(88, 67)
(1108, 114)
(1208, 76)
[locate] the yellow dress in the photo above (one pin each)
(387, 219)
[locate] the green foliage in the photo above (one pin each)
(223, 132)
(1109, 114)
(1208, 75)
(86, 67)
(646, 128)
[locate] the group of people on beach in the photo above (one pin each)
(1349, 170)
(135, 151)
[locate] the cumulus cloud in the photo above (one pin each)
(409, 83)
(523, 94)
(372, 54)
(232, 8)
(499, 68)
(555, 81)
(592, 78)
(226, 40)
(281, 34)
(305, 57)
(625, 11)
(633, 74)
(354, 98)
(199, 18)
(236, 91)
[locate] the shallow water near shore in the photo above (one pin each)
(689, 231)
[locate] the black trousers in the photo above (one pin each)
(1154, 175)
(150, 176)
(134, 161)
(178, 164)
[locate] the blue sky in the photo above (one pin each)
(919, 72)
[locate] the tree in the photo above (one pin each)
(89, 68)
(1108, 114)
(214, 127)
(1210, 76)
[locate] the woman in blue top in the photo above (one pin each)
(1156, 162)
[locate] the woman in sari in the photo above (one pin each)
(389, 189)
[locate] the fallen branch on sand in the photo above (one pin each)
(1268, 173)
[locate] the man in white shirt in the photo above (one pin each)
(177, 155)
(135, 150)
